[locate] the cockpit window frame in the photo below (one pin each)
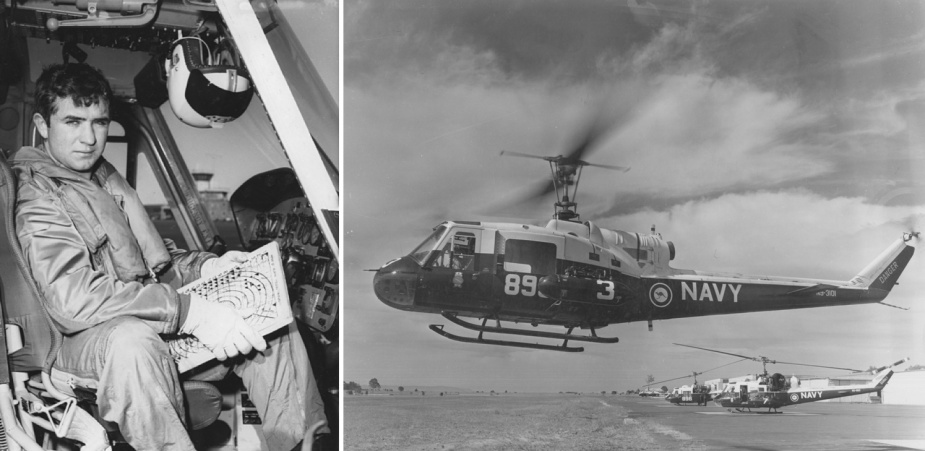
(428, 245)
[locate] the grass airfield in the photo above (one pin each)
(611, 422)
(501, 422)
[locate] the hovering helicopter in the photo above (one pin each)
(158, 137)
(581, 275)
(773, 391)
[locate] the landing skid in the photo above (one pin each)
(565, 337)
(739, 410)
(438, 328)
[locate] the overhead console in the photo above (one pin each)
(138, 25)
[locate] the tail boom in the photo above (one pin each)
(695, 293)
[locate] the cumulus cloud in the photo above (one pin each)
(783, 233)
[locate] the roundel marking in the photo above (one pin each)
(794, 397)
(660, 295)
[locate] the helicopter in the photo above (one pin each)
(649, 393)
(694, 393)
(578, 274)
(773, 391)
(285, 193)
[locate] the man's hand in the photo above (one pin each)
(214, 266)
(221, 329)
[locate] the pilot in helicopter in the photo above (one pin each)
(110, 283)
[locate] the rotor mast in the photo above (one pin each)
(566, 173)
(563, 176)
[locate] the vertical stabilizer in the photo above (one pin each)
(882, 378)
(884, 271)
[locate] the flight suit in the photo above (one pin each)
(109, 283)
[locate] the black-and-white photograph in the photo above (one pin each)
(633, 224)
(554, 224)
(170, 258)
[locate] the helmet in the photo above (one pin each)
(202, 94)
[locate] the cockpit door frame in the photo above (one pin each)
(284, 113)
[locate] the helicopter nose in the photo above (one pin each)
(395, 282)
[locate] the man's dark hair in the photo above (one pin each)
(82, 83)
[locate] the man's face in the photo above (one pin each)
(75, 135)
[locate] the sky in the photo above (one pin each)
(766, 137)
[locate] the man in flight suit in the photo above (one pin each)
(110, 283)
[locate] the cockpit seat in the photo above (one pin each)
(32, 344)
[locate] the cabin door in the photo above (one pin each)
(523, 259)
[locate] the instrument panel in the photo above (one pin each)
(272, 207)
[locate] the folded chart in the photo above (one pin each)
(256, 288)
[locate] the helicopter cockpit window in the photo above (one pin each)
(420, 253)
(529, 257)
(458, 253)
(463, 257)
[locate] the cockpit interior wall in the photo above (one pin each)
(119, 66)
(14, 67)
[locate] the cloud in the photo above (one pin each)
(764, 232)
(682, 135)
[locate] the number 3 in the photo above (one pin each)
(608, 293)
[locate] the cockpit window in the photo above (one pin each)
(420, 253)
(458, 253)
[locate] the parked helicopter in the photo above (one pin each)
(773, 391)
(580, 275)
(690, 394)
(287, 188)
(649, 393)
(694, 393)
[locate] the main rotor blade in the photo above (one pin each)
(605, 166)
(673, 379)
(817, 366)
(698, 373)
(527, 155)
(721, 352)
(592, 132)
(765, 359)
